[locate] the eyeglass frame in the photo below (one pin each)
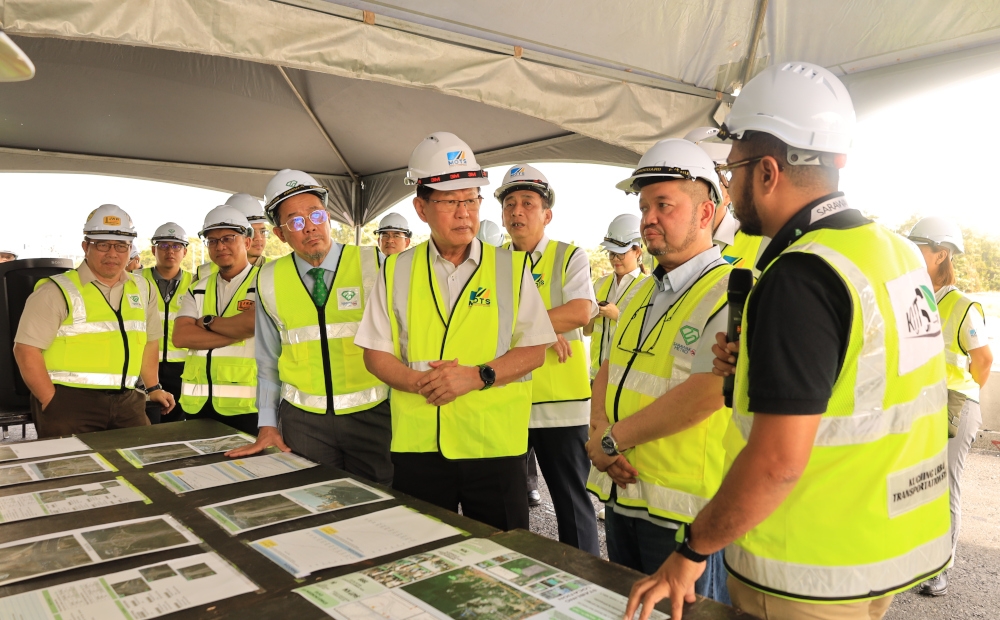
(116, 244)
(468, 202)
(211, 243)
(722, 169)
(170, 246)
(326, 218)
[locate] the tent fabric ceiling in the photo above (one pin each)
(193, 91)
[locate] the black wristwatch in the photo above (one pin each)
(488, 376)
(684, 537)
(206, 321)
(608, 443)
(153, 388)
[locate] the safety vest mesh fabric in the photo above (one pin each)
(870, 514)
(678, 474)
(602, 290)
(227, 375)
(96, 347)
(742, 254)
(480, 328)
(954, 308)
(555, 382)
(320, 367)
(206, 269)
(168, 314)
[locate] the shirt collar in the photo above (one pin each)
(87, 276)
(475, 252)
(542, 244)
(159, 278)
(944, 290)
(238, 277)
(830, 211)
(725, 234)
(678, 279)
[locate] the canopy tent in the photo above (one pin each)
(221, 93)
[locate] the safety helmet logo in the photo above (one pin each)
(112, 220)
(457, 158)
(291, 183)
(517, 172)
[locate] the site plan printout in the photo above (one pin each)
(254, 511)
(52, 553)
(352, 540)
(68, 499)
(161, 452)
(48, 469)
(45, 447)
(151, 591)
(475, 579)
(229, 472)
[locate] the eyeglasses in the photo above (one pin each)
(170, 247)
(298, 223)
(104, 246)
(725, 171)
(225, 240)
(392, 235)
(614, 256)
(450, 206)
(261, 232)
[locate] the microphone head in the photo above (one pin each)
(740, 283)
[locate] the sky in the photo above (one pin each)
(931, 155)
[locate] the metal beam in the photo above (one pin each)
(758, 29)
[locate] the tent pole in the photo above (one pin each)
(758, 28)
(357, 234)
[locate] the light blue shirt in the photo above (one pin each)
(269, 341)
(670, 286)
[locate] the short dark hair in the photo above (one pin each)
(760, 144)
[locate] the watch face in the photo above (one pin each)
(608, 445)
(487, 374)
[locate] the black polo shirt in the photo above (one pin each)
(799, 317)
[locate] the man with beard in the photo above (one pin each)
(837, 494)
(249, 207)
(311, 375)
(87, 335)
(657, 416)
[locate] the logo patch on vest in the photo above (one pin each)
(690, 334)
(539, 280)
(479, 297)
(918, 323)
(244, 304)
(133, 300)
(349, 298)
(917, 485)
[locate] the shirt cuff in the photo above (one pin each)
(533, 340)
(375, 344)
(268, 397)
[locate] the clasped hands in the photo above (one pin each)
(446, 381)
(617, 467)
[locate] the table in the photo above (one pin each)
(275, 598)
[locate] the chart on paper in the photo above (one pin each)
(62, 467)
(68, 499)
(230, 472)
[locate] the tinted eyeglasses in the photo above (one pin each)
(298, 223)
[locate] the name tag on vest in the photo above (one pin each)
(133, 300)
(917, 485)
(244, 304)
(349, 298)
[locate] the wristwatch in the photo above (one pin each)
(488, 376)
(206, 321)
(684, 537)
(153, 388)
(608, 443)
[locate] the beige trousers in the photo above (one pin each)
(770, 607)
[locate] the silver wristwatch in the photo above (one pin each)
(608, 443)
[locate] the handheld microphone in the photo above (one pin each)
(740, 283)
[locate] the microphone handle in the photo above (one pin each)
(732, 335)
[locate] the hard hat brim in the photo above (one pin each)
(450, 186)
(617, 249)
(223, 226)
(628, 185)
(379, 231)
(154, 240)
(105, 236)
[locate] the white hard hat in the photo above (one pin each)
(623, 234)
(11, 252)
(394, 221)
(490, 233)
(802, 104)
(170, 232)
(109, 223)
(708, 139)
(287, 183)
(675, 159)
(133, 253)
(523, 176)
(444, 162)
(940, 231)
(227, 217)
(248, 206)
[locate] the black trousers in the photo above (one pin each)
(562, 457)
(244, 422)
(170, 379)
(493, 491)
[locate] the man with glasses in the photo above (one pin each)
(171, 285)
(216, 326)
(454, 327)
(249, 207)
(311, 375)
(657, 418)
(87, 335)
(393, 234)
(560, 389)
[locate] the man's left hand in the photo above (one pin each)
(675, 579)
(447, 381)
(562, 348)
(165, 398)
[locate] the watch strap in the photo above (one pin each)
(683, 537)
(153, 388)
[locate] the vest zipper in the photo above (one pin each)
(325, 352)
(621, 384)
(121, 327)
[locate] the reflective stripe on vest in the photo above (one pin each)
(870, 514)
(95, 346)
(168, 313)
(477, 330)
(310, 335)
(680, 473)
(954, 308)
(602, 290)
(227, 375)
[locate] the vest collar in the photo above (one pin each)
(679, 278)
(475, 252)
(830, 211)
(725, 234)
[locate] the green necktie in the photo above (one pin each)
(319, 292)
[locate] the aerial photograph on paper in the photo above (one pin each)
(13, 474)
(130, 587)
(196, 571)
(160, 571)
(40, 557)
(7, 453)
(61, 468)
(528, 570)
(334, 494)
(133, 538)
(261, 511)
(408, 569)
(470, 594)
(220, 444)
(158, 454)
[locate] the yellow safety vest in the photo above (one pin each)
(168, 312)
(227, 375)
(678, 474)
(479, 329)
(743, 252)
(97, 347)
(321, 368)
(206, 269)
(602, 289)
(954, 307)
(870, 515)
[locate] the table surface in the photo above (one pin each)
(275, 597)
